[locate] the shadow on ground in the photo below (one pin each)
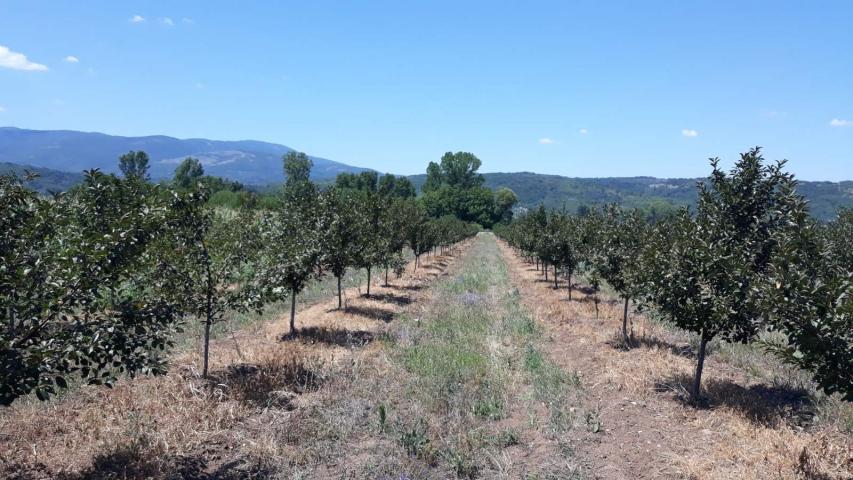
(764, 405)
(391, 298)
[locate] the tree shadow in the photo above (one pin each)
(406, 288)
(585, 289)
(138, 461)
(681, 350)
(763, 405)
(332, 336)
(373, 313)
(274, 383)
(391, 298)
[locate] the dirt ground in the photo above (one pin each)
(648, 431)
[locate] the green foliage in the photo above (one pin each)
(73, 301)
(808, 297)
(134, 164)
(460, 170)
(203, 259)
(709, 270)
(400, 187)
(188, 173)
(343, 232)
(386, 186)
(455, 188)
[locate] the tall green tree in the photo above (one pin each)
(460, 170)
(434, 178)
(505, 199)
(134, 164)
(189, 172)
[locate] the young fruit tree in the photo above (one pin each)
(204, 258)
(343, 229)
(709, 271)
(73, 299)
(418, 228)
(617, 256)
(290, 258)
(810, 298)
(291, 238)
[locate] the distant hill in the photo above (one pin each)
(48, 180)
(556, 191)
(247, 161)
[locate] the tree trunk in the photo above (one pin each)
(570, 293)
(293, 312)
(700, 362)
(340, 303)
(625, 322)
(368, 281)
(207, 323)
(386, 275)
(596, 306)
(545, 267)
(208, 320)
(417, 260)
(556, 285)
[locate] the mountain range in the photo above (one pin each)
(60, 156)
(247, 161)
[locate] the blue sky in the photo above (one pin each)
(573, 88)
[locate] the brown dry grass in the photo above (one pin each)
(263, 390)
(752, 429)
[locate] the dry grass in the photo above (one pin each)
(761, 423)
(266, 394)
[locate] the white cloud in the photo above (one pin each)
(837, 122)
(18, 61)
(137, 19)
(72, 59)
(546, 141)
(689, 132)
(167, 22)
(2, 109)
(583, 131)
(200, 85)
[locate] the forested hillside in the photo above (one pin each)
(648, 193)
(48, 179)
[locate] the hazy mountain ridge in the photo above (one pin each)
(247, 161)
